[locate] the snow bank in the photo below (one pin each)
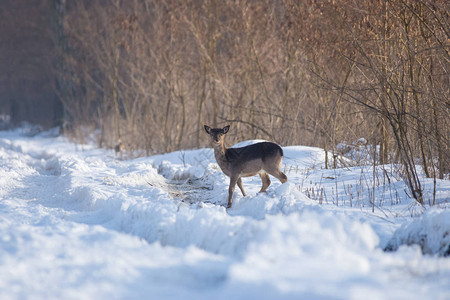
(431, 232)
(284, 251)
(81, 225)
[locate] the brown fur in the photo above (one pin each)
(261, 158)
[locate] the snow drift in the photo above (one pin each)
(431, 232)
(75, 223)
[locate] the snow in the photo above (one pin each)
(431, 232)
(77, 223)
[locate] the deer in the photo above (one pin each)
(262, 158)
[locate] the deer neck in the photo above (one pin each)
(219, 150)
(219, 153)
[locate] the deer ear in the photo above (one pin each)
(225, 129)
(207, 129)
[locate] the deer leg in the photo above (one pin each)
(233, 181)
(283, 177)
(278, 174)
(239, 183)
(265, 181)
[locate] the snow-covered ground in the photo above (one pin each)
(76, 223)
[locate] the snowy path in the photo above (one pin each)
(81, 225)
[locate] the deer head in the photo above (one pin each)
(217, 134)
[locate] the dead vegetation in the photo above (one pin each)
(148, 74)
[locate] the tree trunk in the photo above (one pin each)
(114, 81)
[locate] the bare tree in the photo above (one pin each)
(150, 73)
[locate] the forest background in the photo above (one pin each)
(148, 74)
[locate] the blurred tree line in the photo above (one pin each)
(26, 63)
(148, 74)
